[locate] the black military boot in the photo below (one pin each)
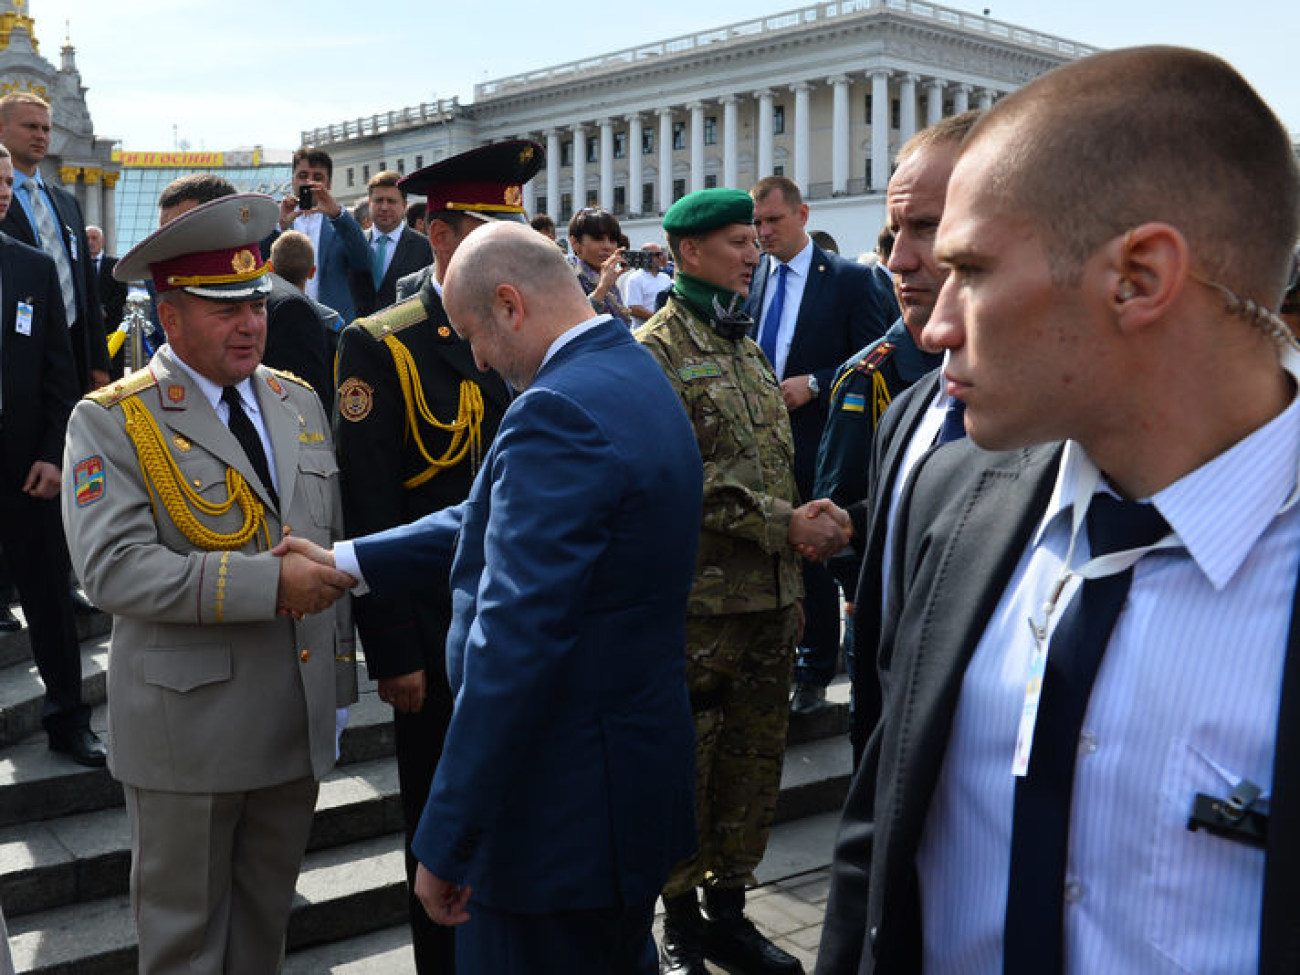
(732, 941)
(680, 953)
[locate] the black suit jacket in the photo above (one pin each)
(870, 518)
(296, 339)
(36, 371)
(412, 253)
(964, 524)
(112, 294)
(842, 310)
(89, 346)
(406, 632)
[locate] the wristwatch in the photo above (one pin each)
(814, 386)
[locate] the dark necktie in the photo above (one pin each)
(954, 421)
(1034, 941)
(772, 320)
(242, 427)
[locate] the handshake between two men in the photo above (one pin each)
(311, 583)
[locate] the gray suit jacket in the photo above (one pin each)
(963, 525)
(209, 689)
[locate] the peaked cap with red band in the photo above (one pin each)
(486, 182)
(210, 251)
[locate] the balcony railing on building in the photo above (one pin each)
(814, 15)
(426, 113)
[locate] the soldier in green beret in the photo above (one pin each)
(743, 617)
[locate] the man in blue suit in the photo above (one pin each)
(812, 310)
(336, 237)
(565, 790)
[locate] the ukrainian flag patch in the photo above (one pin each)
(854, 403)
(88, 480)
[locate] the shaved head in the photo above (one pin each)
(510, 293)
(1143, 135)
(514, 254)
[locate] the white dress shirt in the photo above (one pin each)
(248, 397)
(310, 224)
(795, 280)
(1185, 701)
(923, 438)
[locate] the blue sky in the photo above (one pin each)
(159, 71)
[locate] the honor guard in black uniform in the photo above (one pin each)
(862, 390)
(414, 417)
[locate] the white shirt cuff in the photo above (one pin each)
(345, 560)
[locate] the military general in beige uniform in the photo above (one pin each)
(223, 677)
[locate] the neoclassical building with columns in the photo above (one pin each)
(824, 94)
(78, 160)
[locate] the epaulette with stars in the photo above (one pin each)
(127, 386)
(873, 360)
(286, 374)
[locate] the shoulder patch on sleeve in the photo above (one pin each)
(127, 386)
(394, 318)
(88, 480)
(356, 399)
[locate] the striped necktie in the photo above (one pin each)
(51, 242)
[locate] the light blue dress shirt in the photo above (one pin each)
(1186, 701)
(795, 281)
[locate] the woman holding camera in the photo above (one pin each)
(598, 260)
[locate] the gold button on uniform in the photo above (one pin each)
(304, 656)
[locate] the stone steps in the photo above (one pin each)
(64, 844)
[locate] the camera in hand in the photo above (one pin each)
(640, 259)
(305, 198)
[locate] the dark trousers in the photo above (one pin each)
(419, 739)
(610, 941)
(31, 532)
(820, 646)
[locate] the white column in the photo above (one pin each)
(93, 211)
(665, 158)
(634, 176)
(553, 172)
(839, 134)
(606, 164)
(986, 99)
(802, 126)
(933, 101)
(879, 131)
(697, 146)
(110, 212)
(961, 99)
(579, 167)
(764, 133)
(730, 132)
(907, 108)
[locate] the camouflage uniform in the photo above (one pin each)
(742, 615)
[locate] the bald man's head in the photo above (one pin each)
(510, 293)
